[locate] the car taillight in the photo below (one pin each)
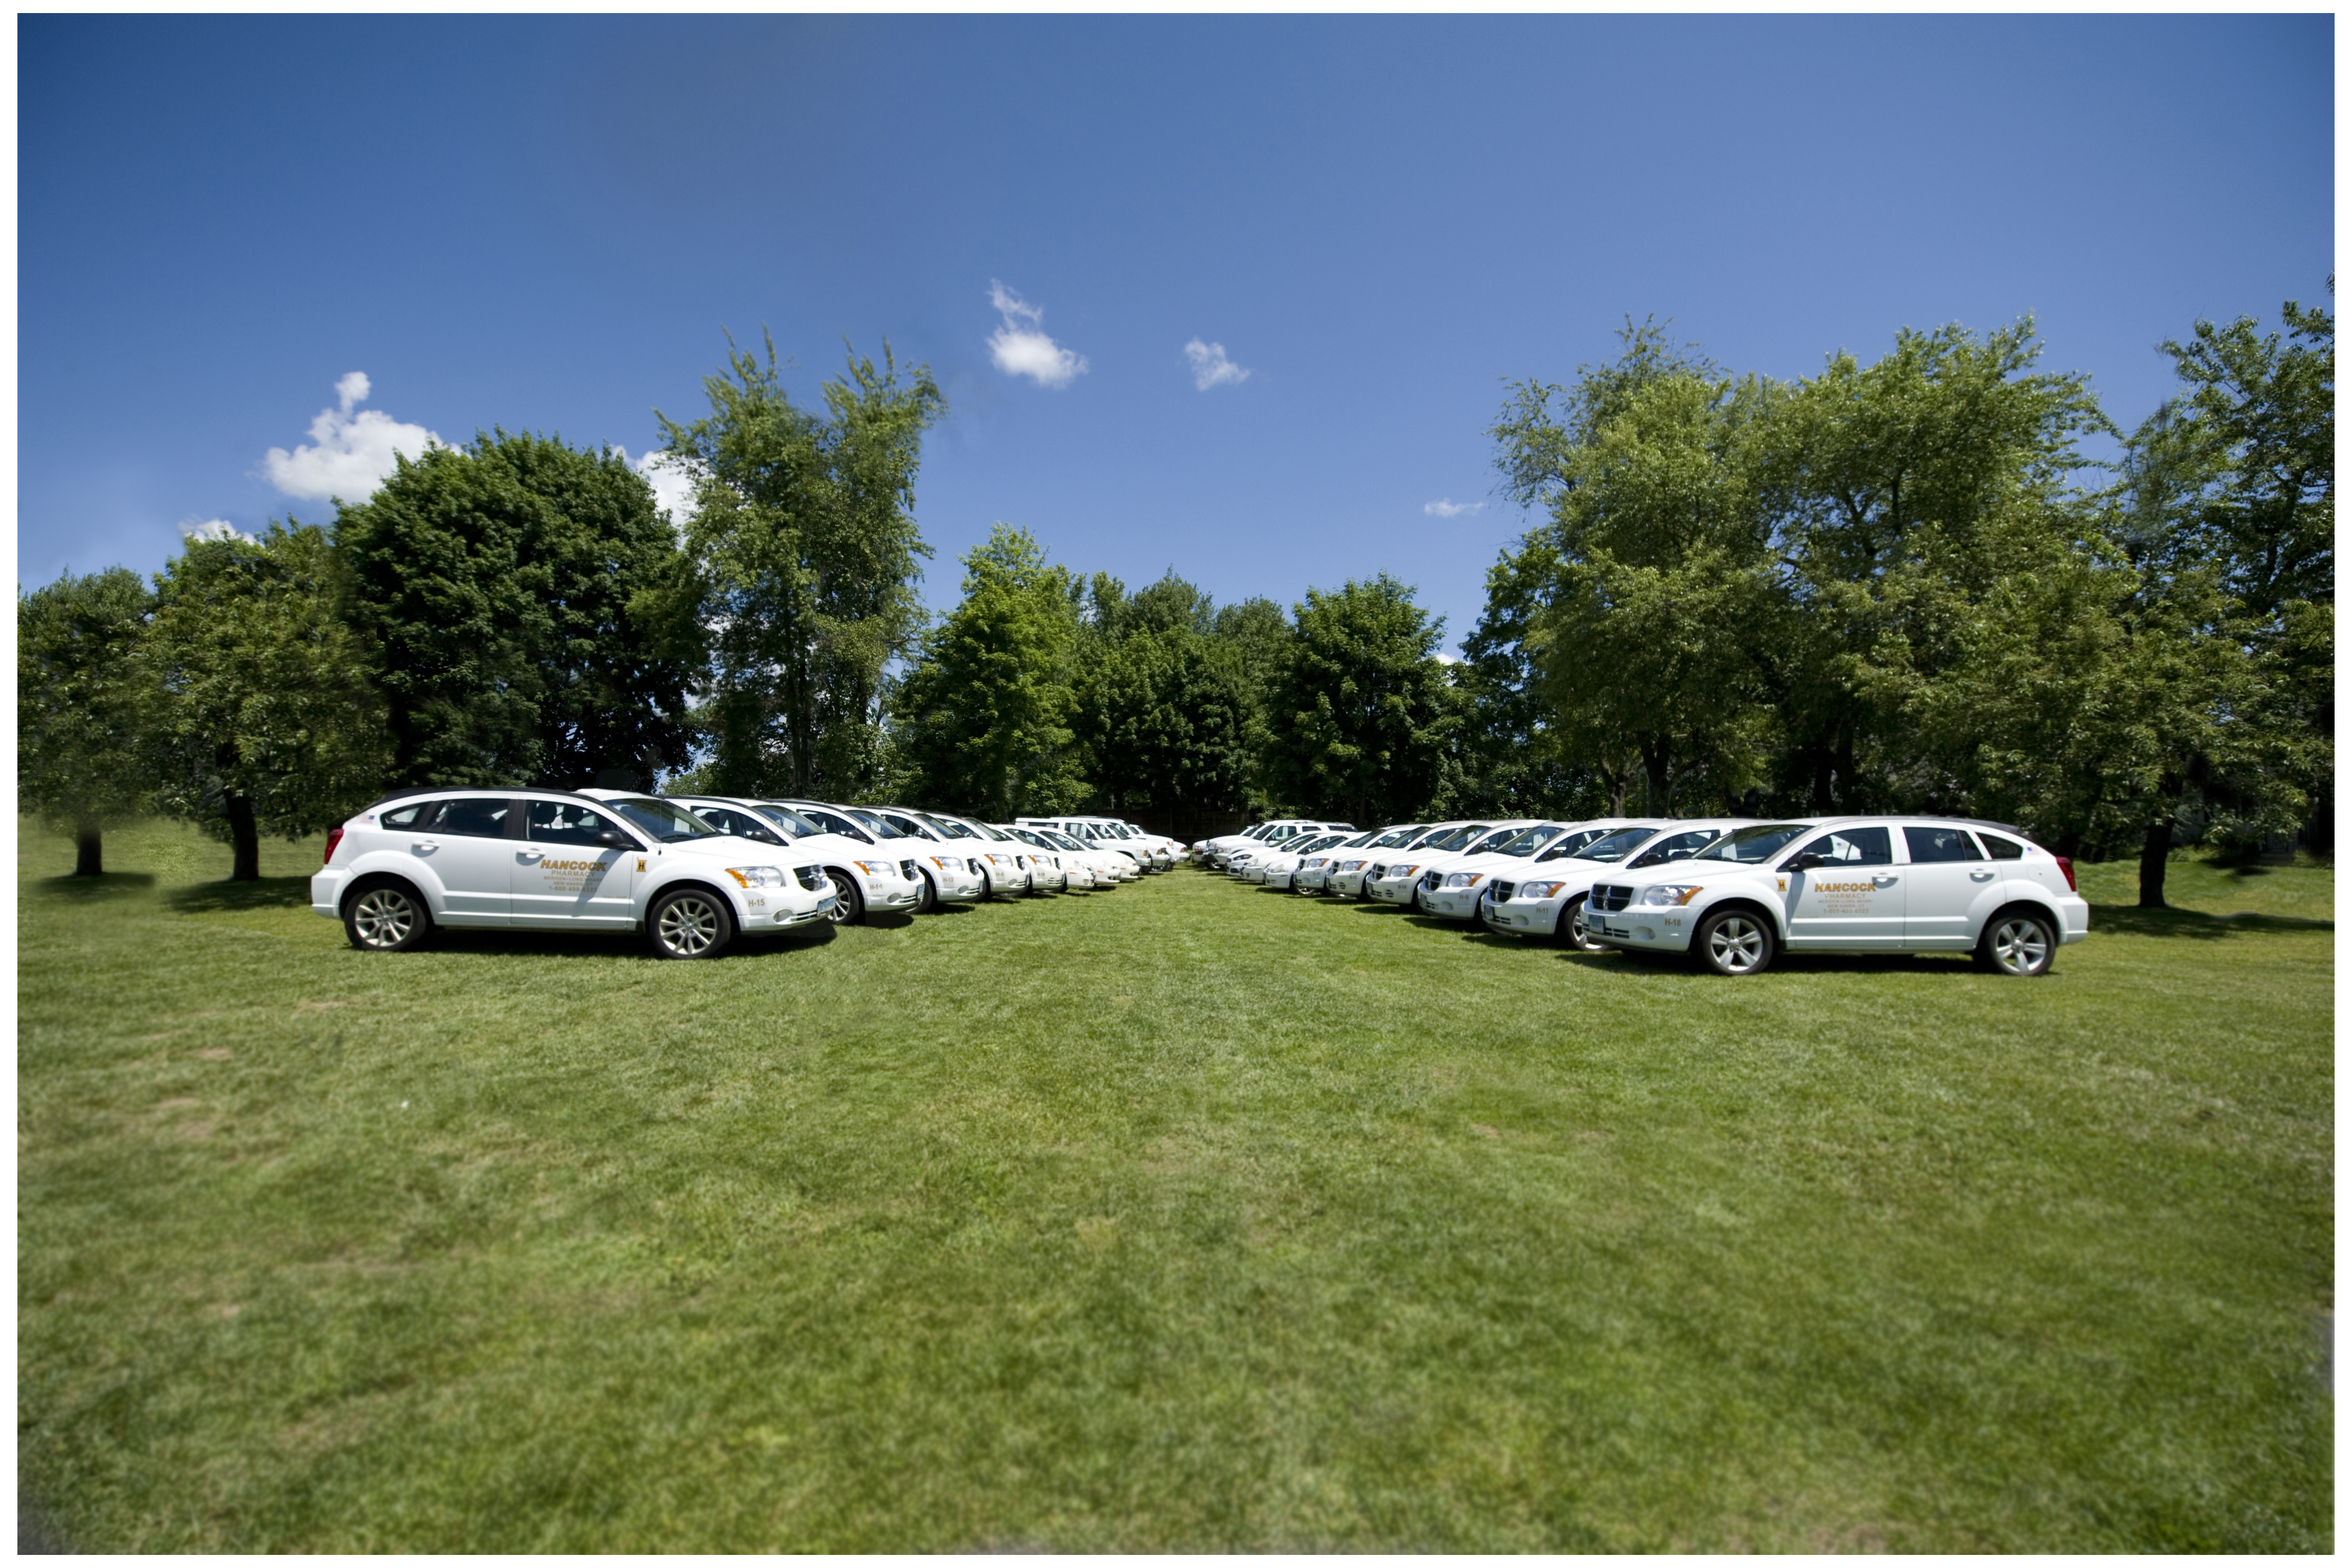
(2067, 866)
(335, 837)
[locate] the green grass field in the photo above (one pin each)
(1185, 1217)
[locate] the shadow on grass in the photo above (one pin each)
(479, 941)
(237, 898)
(111, 885)
(2130, 920)
(1674, 965)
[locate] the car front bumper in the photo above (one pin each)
(1524, 917)
(1453, 903)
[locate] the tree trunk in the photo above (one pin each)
(245, 839)
(86, 860)
(1822, 805)
(2154, 849)
(1655, 758)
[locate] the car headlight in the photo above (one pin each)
(1351, 865)
(758, 876)
(1541, 889)
(1396, 871)
(1668, 895)
(1465, 879)
(878, 867)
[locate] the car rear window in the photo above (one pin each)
(410, 818)
(2000, 848)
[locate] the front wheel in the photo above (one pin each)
(928, 898)
(386, 917)
(1734, 941)
(2018, 943)
(689, 923)
(1570, 933)
(848, 898)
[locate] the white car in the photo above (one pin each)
(1049, 870)
(945, 858)
(1215, 852)
(1239, 862)
(1456, 892)
(556, 861)
(1313, 873)
(1346, 877)
(1399, 880)
(1547, 898)
(1276, 869)
(869, 872)
(1005, 860)
(1857, 884)
(1110, 867)
(1109, 835)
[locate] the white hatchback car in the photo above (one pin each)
(556, 861)
(943, 857)
(1857, 884)
(1399, 879)
(870, 873)
(1276, 869)
(1004, 860)
(1456, 892)
(1345, 878)
(1547, 898)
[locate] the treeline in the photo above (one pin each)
(1895, 586)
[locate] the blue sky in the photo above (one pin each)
(546, 224)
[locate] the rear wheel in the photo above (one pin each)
(848, 898)
(1734, 941)
(2018, 942)
(1571, 935)
(386, 917)
(691, 923)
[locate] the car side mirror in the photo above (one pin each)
(614, 838)
(1806, 862)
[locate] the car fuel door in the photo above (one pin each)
(1843, 889)
(567, 876)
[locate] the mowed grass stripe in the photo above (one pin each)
(1182, 1216)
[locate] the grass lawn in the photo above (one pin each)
(1182, 1216)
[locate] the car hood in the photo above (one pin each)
(728, 850)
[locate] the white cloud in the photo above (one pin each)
(352, 452)
(1210, 367)
(212, 528)
(673, 480)
(1027, 351)
(1454, 508)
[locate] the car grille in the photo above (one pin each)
(1376, 873)
(811, 877)
(906, 869)
(975, 866)
(1609, 899)
(1430, 879)
(1503, 891)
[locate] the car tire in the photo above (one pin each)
(2018, 942)
(848, 899)
(987, 887)
(1567, 933)
(385, 914)
(690, 922)
(1734, 942)
(928, 898)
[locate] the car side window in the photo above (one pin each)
(1854, 847)
(410, 818)
(2000, 848)
(833, 822)
(1934, 845)
(1676, 847)
(475, 816)
(908, 827)
(567, 822)
(737, 824)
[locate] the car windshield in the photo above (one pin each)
(1615, 846)
(1455, 839)
(1573, 843)
(1028, 837)
(669, 823)
(911, 827)
(1751, 846)
(985, 831)
(1390, 840)
(1064, 840)
(1526, 840)
(1493, 843)
(791, 821)
(881, 828)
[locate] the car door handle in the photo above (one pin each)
(1882, 882)
(531, 854)
(426, 846)
(1979, 876)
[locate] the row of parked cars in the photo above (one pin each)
(1731, 893)
(693, 873)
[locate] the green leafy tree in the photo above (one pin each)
(1167, 726)
(982, 720)
(1363, 717)
(805, 556)
(260, 711)
(79, 765)
(524, 602)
